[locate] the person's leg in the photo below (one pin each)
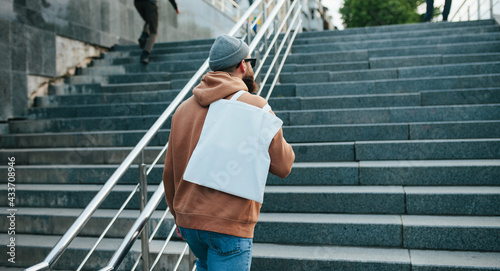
(446, 11)
(228, 252)
(152, 22)
(197, 246)
(140, 7)
(430, 10)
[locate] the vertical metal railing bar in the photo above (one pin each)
(273, 42)
(132, 235)
(478, 10)
(276, 56)
(163, 247)
(271, 88)
(481, 8)
(152, 235)
(108, 227)
(156, 159)
(180, 257)
(143, 181)
(458, 10)
(265, 26)
(491, 9)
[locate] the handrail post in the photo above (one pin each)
(276, 73)
(191, 259)
(491, 9)
(478, 10)
(143, 201)
(264, 19)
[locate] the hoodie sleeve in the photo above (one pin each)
(282, 156)
(168, 177)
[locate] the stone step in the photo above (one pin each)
(403, 173)
(425, 98)
(392, 73)
(294, 134)
(290, 118)
(169, 66)
(110, 88)
(392, 62)
(409, 85)
(162, 45)
(305, 152)
(406, 231)
(322, 54)
(39, 246)
(188, 48)
(422, 200)
(447, 200)
(396, 231)
(396, 43)
(473, 30)
(129, 78)
(267, 256)
(106, 98)
(391, 115)
(120, 59)
(427, 60)
(295, 257)
(408, 28)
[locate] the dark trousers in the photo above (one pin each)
(149, 13)
(430, 10)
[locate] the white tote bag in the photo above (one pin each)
(232, 154)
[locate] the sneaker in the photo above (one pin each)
(145, 58)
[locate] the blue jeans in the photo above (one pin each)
(217, 251)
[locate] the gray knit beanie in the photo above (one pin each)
(226, 52)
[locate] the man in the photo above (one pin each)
(148, 9)
(218, 227)
(430, 10)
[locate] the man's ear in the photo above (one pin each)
(243, 67)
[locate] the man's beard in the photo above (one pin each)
(250, 83)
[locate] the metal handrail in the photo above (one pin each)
(222, 7)
(146, 213)
(159, 192)
(477, 4)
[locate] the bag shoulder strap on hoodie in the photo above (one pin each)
(238, 94)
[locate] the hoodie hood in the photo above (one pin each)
(217, 85)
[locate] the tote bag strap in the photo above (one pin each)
(237, 95)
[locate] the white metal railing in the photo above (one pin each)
(476, 10)
(228, 7)
(272, 25)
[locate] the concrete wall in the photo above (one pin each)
(28, 31)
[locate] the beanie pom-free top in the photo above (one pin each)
(226, 52)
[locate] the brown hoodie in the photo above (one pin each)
(197, 207)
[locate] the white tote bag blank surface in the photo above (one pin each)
(232, 153)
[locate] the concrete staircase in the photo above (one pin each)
(396, 131)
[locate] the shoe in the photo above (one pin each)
(142, 40)
(145, 58)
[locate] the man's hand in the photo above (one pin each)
(178, 232)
